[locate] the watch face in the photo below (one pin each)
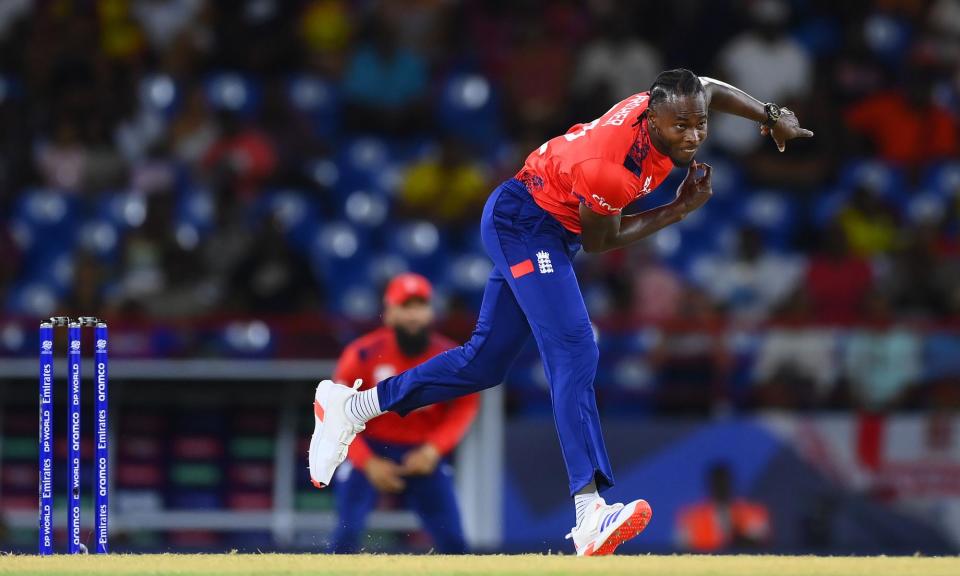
(773, 113)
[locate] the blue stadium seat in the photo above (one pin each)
(384, 266)
(422, 244)
(409, 150)
(159, 94)
(296, 211)
(189, 229)
(324, 172)
(361, 164)
(233, 92)
(474, 239)
(699, 228)
(700, 267)
(358, 301)
(16, 337)
(468, 274)
(925, 207)
(339, 254)
(886, 180)
(887, 36)
(726, 178)
(45, 208)
(319, 100)
(526, 383)
(33, 298)
(632, 384)
(126, 209)
(100, 237)
(773, 214)
(468, 109)
(940, 358)
(366, 209)
(597, 297)
(668, 243)
(827, 205)
(821, 36)
(625, 380)
(43, 226)
(196, 206)
(248, 339)
(367, 154)
(943, 178)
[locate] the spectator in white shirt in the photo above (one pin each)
(616, 64)
(766, 62)
(750, 284)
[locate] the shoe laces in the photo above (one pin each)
(611, 508)
(347, 436)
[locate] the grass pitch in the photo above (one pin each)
(317, 564)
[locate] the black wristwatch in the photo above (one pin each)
(773, 113)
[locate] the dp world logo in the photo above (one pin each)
(101, 345)
(75, 345)
(47, 345)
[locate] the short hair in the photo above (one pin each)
(673, 83)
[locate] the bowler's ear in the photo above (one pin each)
(652, 115)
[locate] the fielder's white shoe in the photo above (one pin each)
(607, 526)
(332, 430)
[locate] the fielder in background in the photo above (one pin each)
(402, 455)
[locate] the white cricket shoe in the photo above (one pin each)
(332, 430)
(607, 526)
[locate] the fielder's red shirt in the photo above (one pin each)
(606, 164)
(375, 357)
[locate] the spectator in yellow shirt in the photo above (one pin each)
(446, 187)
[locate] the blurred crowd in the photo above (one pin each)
(189, 158)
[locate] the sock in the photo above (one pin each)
(364, 406)
(583, 500)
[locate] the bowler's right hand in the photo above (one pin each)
(695, 190)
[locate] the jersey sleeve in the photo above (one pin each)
(604, 186)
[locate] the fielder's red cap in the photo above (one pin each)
(406, 286)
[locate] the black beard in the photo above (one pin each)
(412, 344)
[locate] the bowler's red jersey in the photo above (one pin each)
(376, 356)
(606, 164)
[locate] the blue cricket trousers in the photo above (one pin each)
(539, 297)
(431, 497)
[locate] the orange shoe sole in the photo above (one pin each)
(634, 525)
(319, 413)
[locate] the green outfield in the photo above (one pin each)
(316, 565)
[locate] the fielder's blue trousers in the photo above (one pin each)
(532, 291)
(431, 496)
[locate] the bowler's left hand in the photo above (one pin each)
(786, 128)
